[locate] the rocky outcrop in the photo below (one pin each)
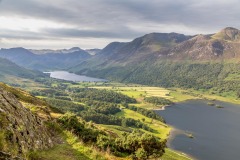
(7, 156)
(228, 34)
(23, 130)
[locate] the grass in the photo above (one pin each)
(206, 95)
(88, 151)
(71, 149)
(27, 84)
(161, 130)
(138, 92)
(146, 106)
(179, 96)
(60, 152)
(174, 155)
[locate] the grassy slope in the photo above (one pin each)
(8, 68)
(187, 94)
(160, 129)
(71, 149)
(173, 155)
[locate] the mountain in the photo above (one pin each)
(228, 34)
(45, 59)
(20, 56)
(136, 51)
(142, 47)
(9, 68)
(60, 51)
(223, 45)
(171, 60)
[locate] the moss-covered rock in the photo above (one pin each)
(21, 130)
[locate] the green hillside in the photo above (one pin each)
(9, 68)
(201, 62)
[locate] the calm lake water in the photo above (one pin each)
(73, 77)
(216, 131)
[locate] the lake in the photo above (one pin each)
(64, 75)
(216, 131)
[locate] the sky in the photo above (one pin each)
(56, 24)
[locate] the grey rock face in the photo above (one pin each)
(25, 130)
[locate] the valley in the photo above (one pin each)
(63, 95)
(133, 108)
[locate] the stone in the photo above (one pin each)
(24, 129)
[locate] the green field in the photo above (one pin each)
(174, 155)
(161, 130)
(138, 92)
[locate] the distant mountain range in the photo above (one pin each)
(45, 59)
(8, 68)
(60, 51)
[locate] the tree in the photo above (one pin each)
(238, 94)
(152, 145)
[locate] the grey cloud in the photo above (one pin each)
(27, 35)
(110, 13)
(100, 12)
(112, 18)
(193, 13)
(123, 33)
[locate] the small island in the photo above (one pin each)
(211, 104)
(218, 106)
(189, 135)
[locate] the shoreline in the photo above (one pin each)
(172, 133)
(160, 109)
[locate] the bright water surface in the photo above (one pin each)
(64, 75)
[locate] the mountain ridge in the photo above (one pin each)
(45, 59)
(228, 34)
(185, 63)
(9, 68)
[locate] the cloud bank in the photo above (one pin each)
(31, 22)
